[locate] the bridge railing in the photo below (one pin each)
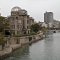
(54, 28)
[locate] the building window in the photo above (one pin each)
(18, 26)
(16, 18)
(27, 22)
(27, 27)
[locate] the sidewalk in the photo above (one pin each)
(6, 51)
(9, 49)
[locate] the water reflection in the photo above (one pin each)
(48, 50)
(49, 33)
(21, 53)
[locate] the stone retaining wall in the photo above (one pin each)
(17, 42)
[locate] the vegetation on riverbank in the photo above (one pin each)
(36, 28)
(3, 25)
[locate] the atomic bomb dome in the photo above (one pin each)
(19, 21)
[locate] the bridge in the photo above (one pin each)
(54, 29)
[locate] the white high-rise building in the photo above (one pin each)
(48, 18)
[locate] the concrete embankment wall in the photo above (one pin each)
(14, 43)
(22, 40)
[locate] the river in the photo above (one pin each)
(46, 49)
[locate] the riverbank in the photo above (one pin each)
(8, 50)
(46, 49)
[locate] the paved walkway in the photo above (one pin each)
(8, 50)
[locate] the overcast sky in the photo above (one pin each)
(35, 8)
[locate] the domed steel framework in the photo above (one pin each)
(16, 8)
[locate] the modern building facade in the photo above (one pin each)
(48, 17)
(20, 21)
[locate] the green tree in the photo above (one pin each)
(1, 23)
(4, 24)
(44, 29)
(35, 28)
(2, 42)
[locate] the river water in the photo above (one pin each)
(46, 49)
